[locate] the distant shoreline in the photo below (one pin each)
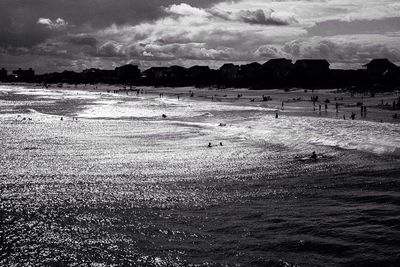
(296, 102)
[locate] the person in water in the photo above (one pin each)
(220, 143)
(209, 144)
(314, 155)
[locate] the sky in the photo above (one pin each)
(57, 35)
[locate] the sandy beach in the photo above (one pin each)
(296, 101)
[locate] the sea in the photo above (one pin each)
(91, 178)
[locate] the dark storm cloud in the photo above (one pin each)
(54, 34)
(25, 32)
(18, 19)
(337, 27)
(81, 40)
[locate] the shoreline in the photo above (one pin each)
(292, 102)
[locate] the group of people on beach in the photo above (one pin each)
(211, 145)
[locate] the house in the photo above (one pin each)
(314, 66)
(94, 75)
(3, 74)
(248, 73)
(24, 75)
(176, 72)
(312, 73)
(379, 66)
(250, 68)
(154, 73)
(198, 71)
(127, 73)
(278, 67)
(229, 71)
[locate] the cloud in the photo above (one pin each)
(342, 49)
(82, 40)
(154, 32)
(57, 24)
(271, 51)
(111, 49)
(257, 16)
(185, 10)
(338, 27)
(269, 17)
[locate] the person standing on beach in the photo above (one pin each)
(314, 156)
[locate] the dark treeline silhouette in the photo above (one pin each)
(377, 75)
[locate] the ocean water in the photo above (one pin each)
(122, 186)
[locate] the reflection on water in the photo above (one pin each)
(122, 186)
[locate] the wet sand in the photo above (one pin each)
(296, 102)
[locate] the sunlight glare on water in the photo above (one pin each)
(123, 186)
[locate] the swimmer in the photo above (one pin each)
(314, 155)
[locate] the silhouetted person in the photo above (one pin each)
(337, 107)
(220, 143)
(326, 107)
(209, 144)
(353, 116)
(62, 118)
(314, 156)
(276, 115)
(319, 107)
(164, 116)
(283, 105)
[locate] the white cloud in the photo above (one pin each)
(345, 49)
(57, 24)
(247, 30)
